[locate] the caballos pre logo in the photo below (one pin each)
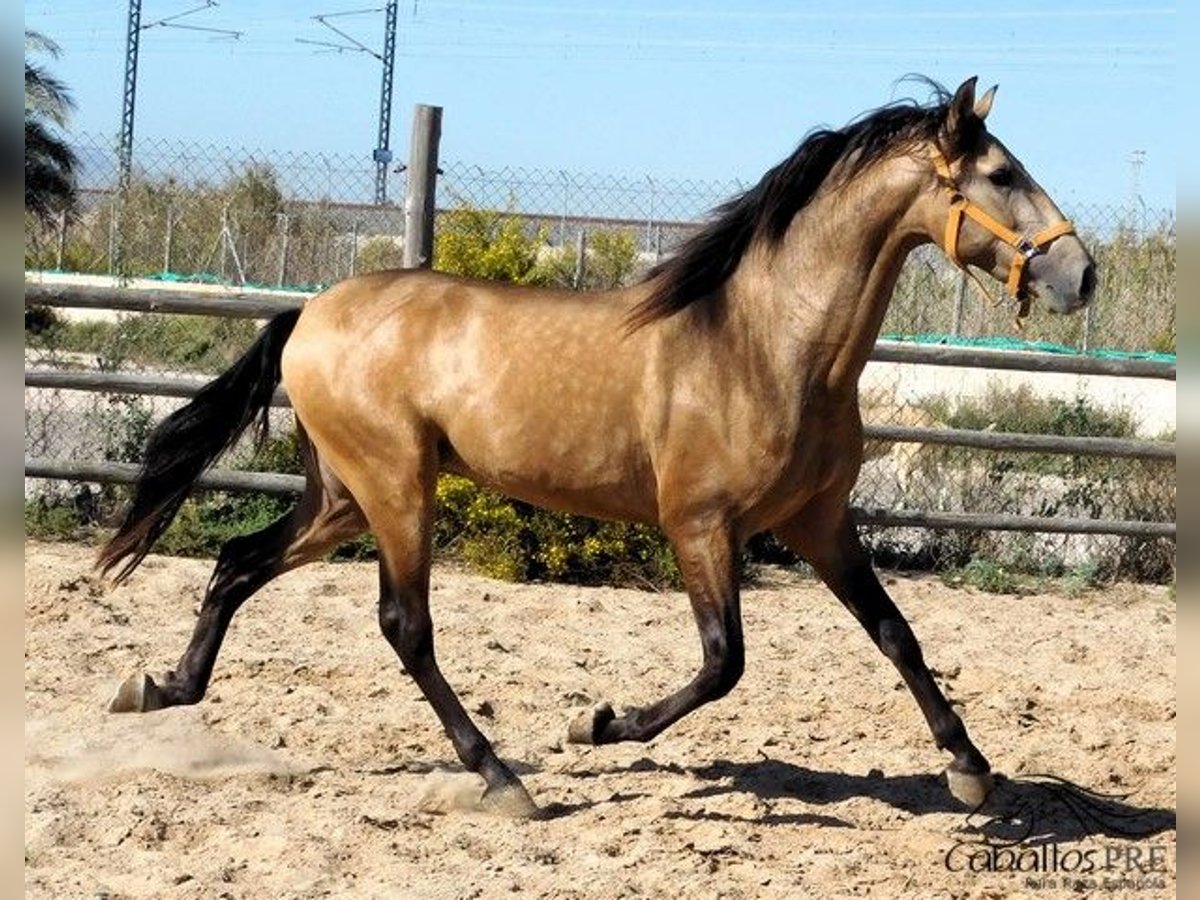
(1043, 837)
(1111, 867)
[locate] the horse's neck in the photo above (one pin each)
(822, 294)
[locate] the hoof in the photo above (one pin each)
(588, 727)
(138, 693)
(511, 801)
(969, 789)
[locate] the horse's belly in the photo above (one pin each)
(586, 471)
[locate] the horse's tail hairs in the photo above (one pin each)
(190, 439)
(1095, 812)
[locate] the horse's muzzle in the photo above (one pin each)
(1064, 277)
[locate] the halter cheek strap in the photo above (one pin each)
(1026, 247)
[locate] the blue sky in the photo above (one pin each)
(672, 89)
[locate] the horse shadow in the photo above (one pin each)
(1030, 809)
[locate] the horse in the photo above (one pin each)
(717, 398)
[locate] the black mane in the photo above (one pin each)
(706, 260)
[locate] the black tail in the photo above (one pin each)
(190, 439)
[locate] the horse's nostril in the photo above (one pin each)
(1087, 285)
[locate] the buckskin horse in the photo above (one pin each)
(717, 398)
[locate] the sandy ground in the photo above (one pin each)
(314, 768)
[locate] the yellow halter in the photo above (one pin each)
(1026, 247)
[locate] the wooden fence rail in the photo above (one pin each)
(259, 306)
(187, 386)
(276, 483)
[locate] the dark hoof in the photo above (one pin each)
(138, 693)
(588, 727)
(968, 788)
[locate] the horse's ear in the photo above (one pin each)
(962, 123)
(983, 105)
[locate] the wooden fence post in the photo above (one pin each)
(421, 194)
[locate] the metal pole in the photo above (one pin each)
(383, 152)
(129, 95)
(650, 220)
(580, 258)
(959, 302)
(113, 251)
(169, 240)
(62, 241)
(562, 223)
(223, 239)
(420, 198)
(283, 250)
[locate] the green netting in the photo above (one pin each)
(210, 278)
(1010, 343)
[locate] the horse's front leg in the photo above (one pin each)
(706, 555)
(833, 548)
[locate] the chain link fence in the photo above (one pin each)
(304, 221)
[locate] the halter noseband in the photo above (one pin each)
(1026, 247)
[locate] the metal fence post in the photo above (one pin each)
(421, 194)
(283, 249)
(114, 219)
(651, 218)
(168, 241)
(580, 258)
(62, 240)
(959, 302)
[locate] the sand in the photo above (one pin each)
(314, 768)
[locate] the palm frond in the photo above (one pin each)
(50, 163)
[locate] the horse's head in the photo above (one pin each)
(988, 212)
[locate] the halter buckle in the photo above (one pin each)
(1027, 248)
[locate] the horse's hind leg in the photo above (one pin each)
(325, 516)
(845, 566)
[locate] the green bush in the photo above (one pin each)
(205, 522)
(42, 325)
(380, 253)
(612, 257)
(149, 340)
(53, 519)
(987, 575)
(483, 243)
(611, 262)
(1019, 409)
(508, 539)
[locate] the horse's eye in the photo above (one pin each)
(1001, 177)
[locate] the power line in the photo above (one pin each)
(382, 154)
(133, 34)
